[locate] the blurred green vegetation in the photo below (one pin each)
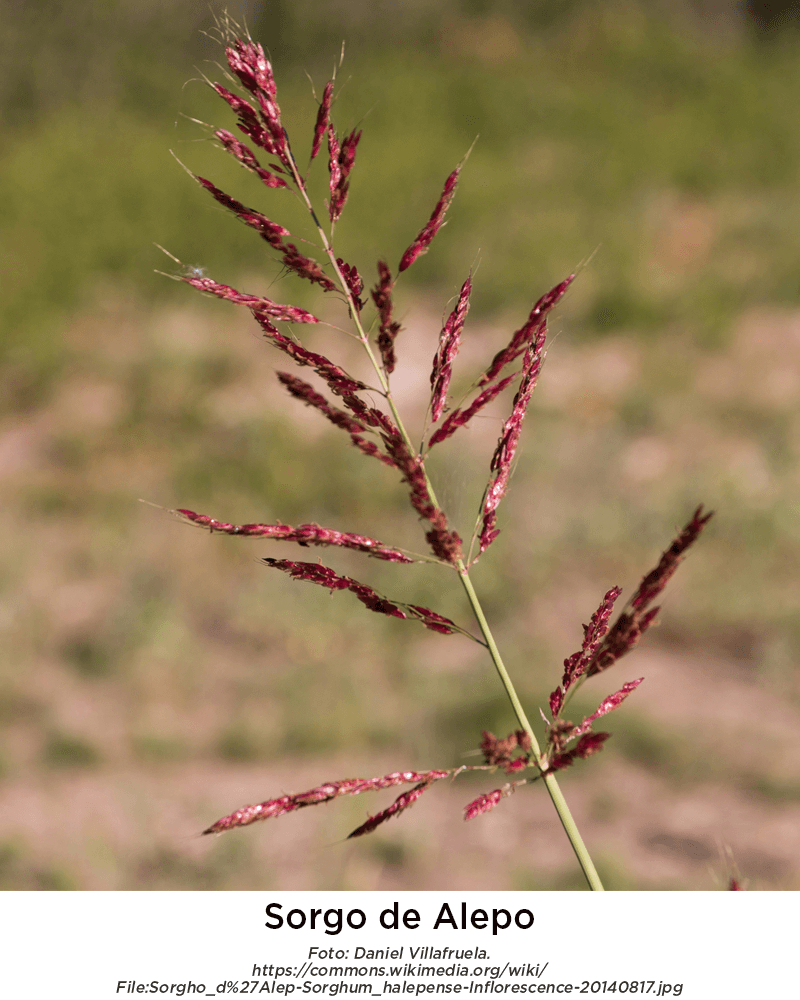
(596, 121)
(657, 140)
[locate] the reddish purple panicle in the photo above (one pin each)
(449, 340)
(247, 158)
(528, 332)
(276, 311)
(323, 793)
(509, 439)
(637, 618)
(354, 427)
(339, 381)
(305, 534)
(400, 804)
(323, 117)
(382, 297)
(248, 62)
(324, 576)
(593, 633)
(266, 229)
(445, 544)
(487, 802)
(425, 235)
(458, 418)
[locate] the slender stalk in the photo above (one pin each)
(552, 786)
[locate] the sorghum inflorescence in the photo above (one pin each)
(381, 434)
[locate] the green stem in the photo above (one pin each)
(552, 786)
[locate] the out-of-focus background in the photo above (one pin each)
(154, 677)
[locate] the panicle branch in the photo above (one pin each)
(272, 233)
(561, 732)
(269, 231)
(323, 118)
(339, 381)
(509, 438)
(589, 744)
(449, 340)
(248, 122)
(458, 418)
(324, 576)
(323, 793)
(400, 804)
(575, 665)
(634, 621)
(254, 71)
(389, 328)
(445, 544)
(305, 534)
(424, 237)
(529, 332)
(342, 156)
(354, 282)
(258, 304)
(485, 803)
(354, 427)
(248, 159)
(607, 705)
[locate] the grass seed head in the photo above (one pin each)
(425, 236)
(449, 341)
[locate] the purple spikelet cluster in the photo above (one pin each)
(258, 304)
(530, 331)
(400, 804)
(247, 158)
(446, 544)
(509, 438)
(603, 645)
(323, 119)
(425, 236)
(449, 340)
(305, 534)
(501, 752)
(355, 426)
(323, 793)
(589, 744)
(342, 156)
(354, 282)
(248, 62)
(638, 616)
(324, 576)
(389, 328)
(485, 803)
(576, 665)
